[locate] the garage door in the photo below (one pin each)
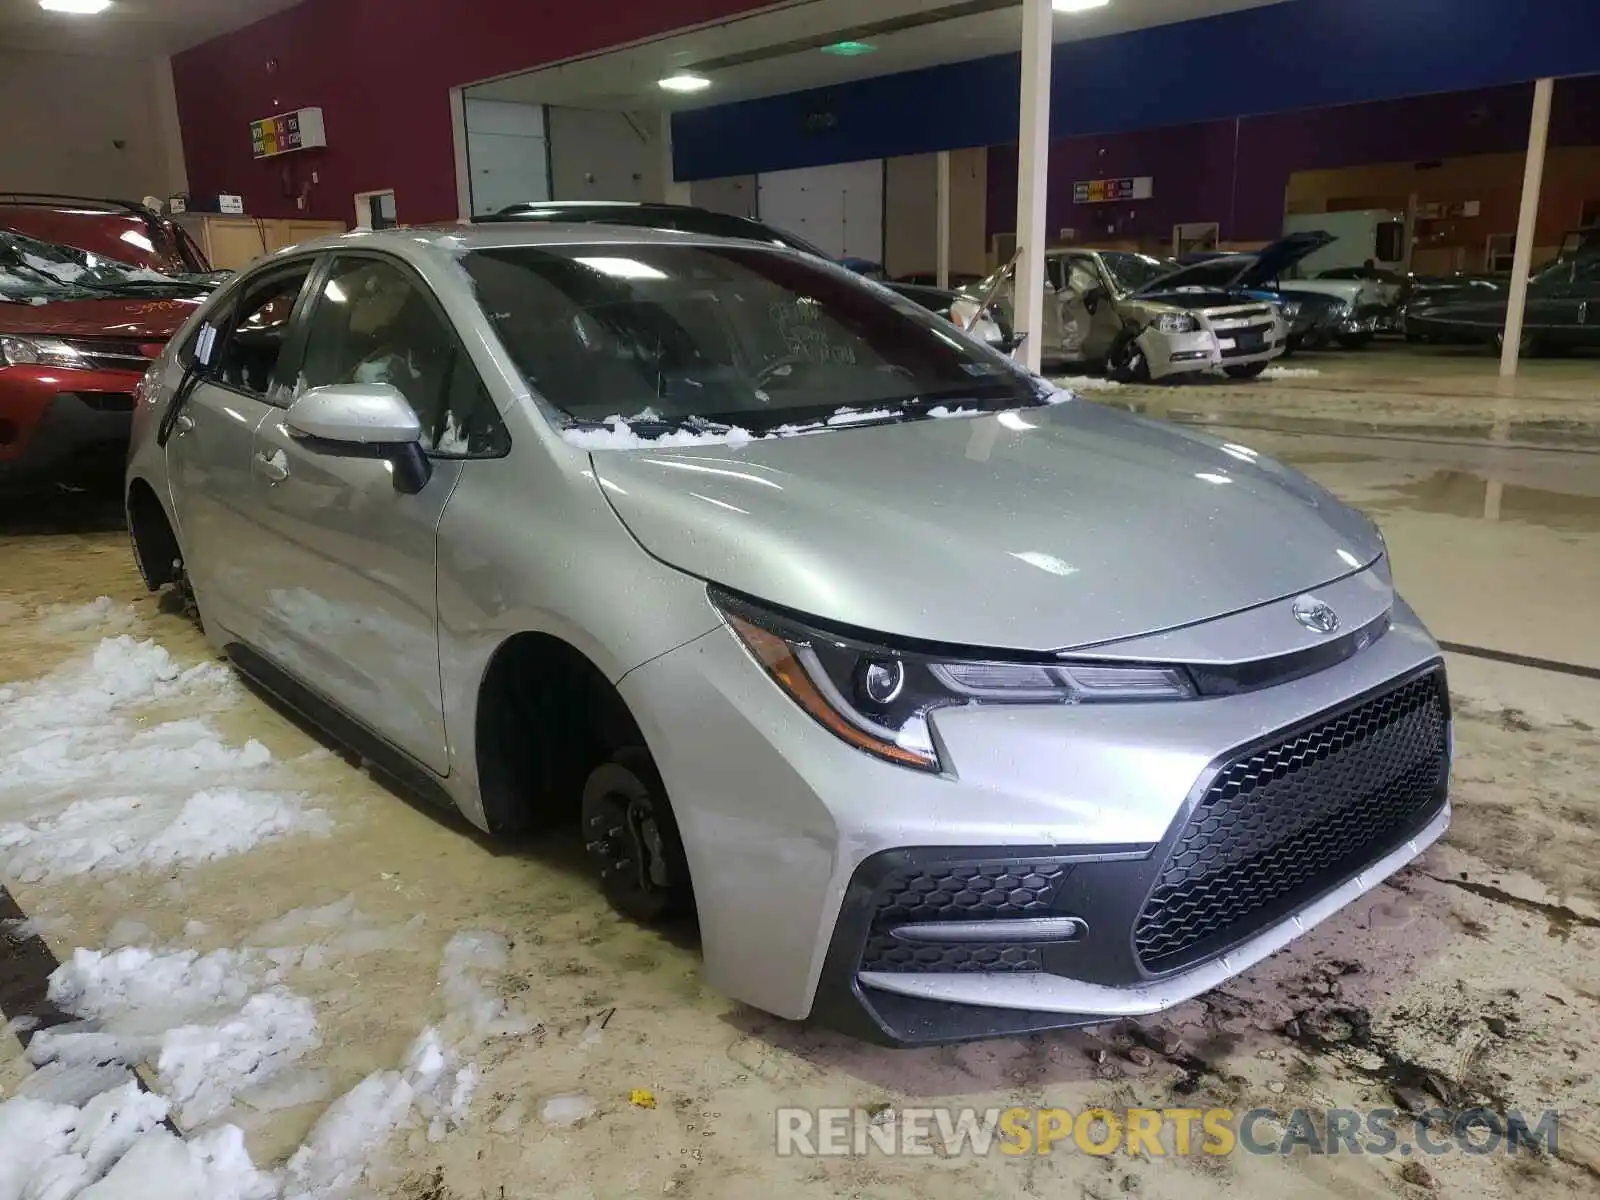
(839, 207)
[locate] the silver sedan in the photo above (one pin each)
(949, 704)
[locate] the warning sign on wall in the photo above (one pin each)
(298, 130)
(1101, 191)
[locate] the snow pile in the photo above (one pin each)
(101, 613)
(1085, 383)
(197, 1017)
(113, 1148)
(473, 1010)
(145, 793)
(619, 435)
(1290, 373)
(340, 1148)
(943, 411)
(852, 416)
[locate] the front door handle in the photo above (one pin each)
(275, 467)
(182, 423)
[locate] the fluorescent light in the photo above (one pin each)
(1072, 6)
(684, 81)
(849, 49)
(84, 8)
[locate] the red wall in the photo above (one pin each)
(381, 71)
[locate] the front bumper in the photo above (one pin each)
(63, 426)
(791, 834)
(935, 945)
(1210, 350)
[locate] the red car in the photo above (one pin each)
(90, 291)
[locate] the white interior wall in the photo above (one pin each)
(62, 117)
(600, 154)
(837, 207)
(734, 195)
(507, 159)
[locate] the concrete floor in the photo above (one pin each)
(1475, 974)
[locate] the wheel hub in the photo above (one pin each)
(626, 839)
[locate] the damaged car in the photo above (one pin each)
(1117, 310)
(949, 705)
(77, 331)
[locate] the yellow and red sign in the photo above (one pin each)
(283, 132)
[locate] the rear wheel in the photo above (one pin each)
(632, 839)
(1245, 370)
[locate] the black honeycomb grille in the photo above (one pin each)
(1280, 826)
(976, 891)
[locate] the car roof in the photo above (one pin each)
(464, 238)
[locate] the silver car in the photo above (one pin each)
(950, 704)
(1110, 309)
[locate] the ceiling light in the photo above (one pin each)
(849, 49)
(1071, 6)
(685, 81)
(84, 8)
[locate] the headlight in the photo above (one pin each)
(1341, 308)
(878, 697)
(1176, 323)
(1291, 309)
(42, 352)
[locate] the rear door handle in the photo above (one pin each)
(274, 467)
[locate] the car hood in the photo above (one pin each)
(152, 320)
(1264, 266)
(1041, 529)
(1201, 298)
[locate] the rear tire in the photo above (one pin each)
(1245, 370)
(632, 839)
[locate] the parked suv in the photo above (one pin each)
(90, 291)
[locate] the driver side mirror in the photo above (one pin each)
(363, 420)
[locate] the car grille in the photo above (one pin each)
(970, 891)
(1285, 823)
(1250, 339)
(113, 354)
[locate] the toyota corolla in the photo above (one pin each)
(949, 704)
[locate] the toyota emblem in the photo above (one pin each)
(1315, 615)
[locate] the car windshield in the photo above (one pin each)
(1132, 271)
(673, 336)
(35, 271)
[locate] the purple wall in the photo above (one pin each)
(1199, 177)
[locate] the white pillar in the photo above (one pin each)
(672, 191)
(942, 200)
(1522, 257)
(1033, 174)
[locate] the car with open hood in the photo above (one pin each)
(1359, 310)
(1112, 309)
(77, 331)
(949, 704)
